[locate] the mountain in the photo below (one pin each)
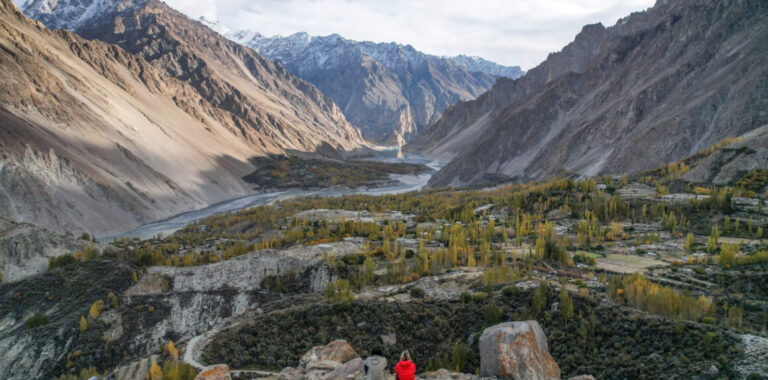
(391, 91)
(658, 86)
(478, 64)
(97, 139)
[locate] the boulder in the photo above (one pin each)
(337, 351)
(215, 372)
(517, 350)
(349, 370)
(444, 374)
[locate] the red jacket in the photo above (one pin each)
(405, 370)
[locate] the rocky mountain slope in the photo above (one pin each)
(391, 91)
(96, 139)
(278, 110)
(25, 249)
(658, 86)
(730, 163)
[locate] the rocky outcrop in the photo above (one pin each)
(215, 372)
(658, 86)
(64, 295)
(517, 350)
(726, 164)
(392, 92)
(244, 273)
(336, 360)
(25, 249)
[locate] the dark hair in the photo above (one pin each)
(376, 351)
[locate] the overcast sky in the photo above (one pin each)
(511, 32)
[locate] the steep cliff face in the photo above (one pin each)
(658, 86)
(392, 92)
(96, 139)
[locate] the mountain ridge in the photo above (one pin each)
(100, 140)
(617, 100)
(396, 91)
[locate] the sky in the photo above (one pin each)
(511, 32)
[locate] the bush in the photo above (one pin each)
(466, 297)
(417, 293)
(479, 296)
(60, 261)
(492, 314)
(510, 291)
(36, 320)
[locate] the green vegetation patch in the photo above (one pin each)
(606, 341)
(281, 172)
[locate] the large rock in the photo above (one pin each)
(444, 374)
(517, 350)
(337, 351)
(349, 370)
(215, 372)
(337, 360)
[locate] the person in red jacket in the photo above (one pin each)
(405, 369)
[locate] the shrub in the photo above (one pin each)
(60, 261)
(466, 297)
(36, 320)
(509, 291)
(416, 293)
(479, 296)
(492, 314)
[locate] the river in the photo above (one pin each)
(408, 183)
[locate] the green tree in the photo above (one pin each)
(539, 299)
(566, 304)
(735, 315)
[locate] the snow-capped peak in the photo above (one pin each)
(215, 25)
(479, 64)
(71, 14)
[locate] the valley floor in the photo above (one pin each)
(626, 280)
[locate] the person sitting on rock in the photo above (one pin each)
(374, 365)
(405, 369)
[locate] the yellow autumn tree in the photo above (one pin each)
(83, 324)
(173, 351)
(96, 308)
(155, 373)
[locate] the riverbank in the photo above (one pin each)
(397, 183)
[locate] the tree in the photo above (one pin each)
(173, 351)
(735, 316)
(96, 308)
(566, 304)
(83, 324)
(728, 255)
(539, 299)
(155, 373)
(713, 239)
(689, 242)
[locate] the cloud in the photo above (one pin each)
(512, 32)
